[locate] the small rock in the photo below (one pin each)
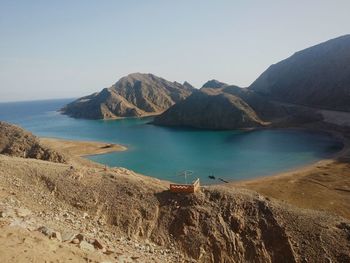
(109, 251)
(86, 246)
(97, 244)
(68, 236)
(80, 237)
(57, 235)
(75, 241)
(46, 231)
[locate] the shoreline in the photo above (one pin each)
(329, 159)
(82, 148)
(91, 148)
(153, 114)
(324, 185)
(307, 167)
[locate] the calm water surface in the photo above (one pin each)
(162, 152)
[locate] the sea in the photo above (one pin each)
(165, 153)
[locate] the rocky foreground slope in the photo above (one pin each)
(135, 95)
(116, 215)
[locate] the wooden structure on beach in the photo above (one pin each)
(185, 188)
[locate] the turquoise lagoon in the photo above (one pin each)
(163, 152)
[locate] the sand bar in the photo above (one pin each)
(82, 148)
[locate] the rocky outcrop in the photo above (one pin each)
(318, 76)
(225, 225)
(210, 108)
(135, 95)
(15, 141)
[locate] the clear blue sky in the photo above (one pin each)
(60, 49)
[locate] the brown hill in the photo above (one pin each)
(132, 96)
(15, 141)
(213, 109)
(318, 76)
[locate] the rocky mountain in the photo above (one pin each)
(286, 94)
(231, 107)
(15, 141)
(211, 108)
(135, 95)
(318, 76)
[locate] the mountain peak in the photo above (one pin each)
(188, 85)
(135, 95)
(214, 84)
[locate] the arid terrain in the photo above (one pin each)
(82, 212)
(175, 132)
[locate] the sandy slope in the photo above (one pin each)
(324, 186)
(21, 245)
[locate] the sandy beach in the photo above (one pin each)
(82, 148)
(324, 185)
